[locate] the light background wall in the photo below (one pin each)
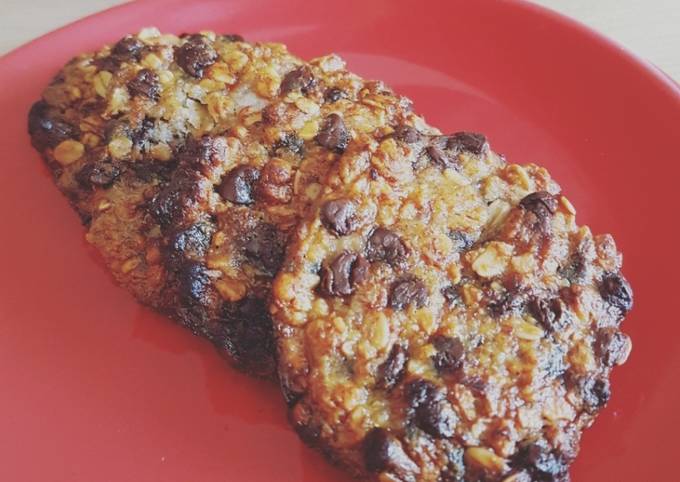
(650, 28)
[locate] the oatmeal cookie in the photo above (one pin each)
(440, 316)
(190, 159)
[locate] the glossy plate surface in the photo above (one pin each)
(97, 388)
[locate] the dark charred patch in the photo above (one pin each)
(238, 186)
(301, 79)
(407, 291)
(450, 353)
(248, 334)
(391, 371)
(385, 245)
(342, 275)
(195, 284)
(204, 152)
(190, 244)
(264, 247)
(47, 128)
(333, 134)
(617, 293)
(150, 170)
(145, 84)
(339, 216)
(430, 410)
(196, 55)
(178, 203)
(383, 452)
(98, 174)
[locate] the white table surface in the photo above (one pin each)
(650, 28)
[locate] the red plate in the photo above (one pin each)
(97, 388)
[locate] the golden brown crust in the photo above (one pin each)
(440, 316)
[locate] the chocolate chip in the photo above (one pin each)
(507, 302)
(391, 371)
(334, 94)
(265, 246)
(128, 48)
(612, 346)
(301, 79)
(451, 294)
(385, 245)
(407, 291)
(462, 241)
(543, 205)
(449, 356)
(291, 142)
(232, 37)
(145, 84)
(441, 157)
(383, 452)
(333, 134)
(444, 150)
(472, 142)
(339, 217)
(97, 174)
(595, 392)
(238, 185)
(180, 201)
(617, 293)
(195, 283)
(431, 412)
(540, 461)
(548, 313)
(407, 134)
(47, 128)
(195, 55)
(343, 274)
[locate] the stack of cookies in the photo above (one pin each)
(432, 312)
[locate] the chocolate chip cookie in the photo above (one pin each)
(440, 316)
(190, 160)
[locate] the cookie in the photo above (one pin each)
(440, 316)
(190, 160)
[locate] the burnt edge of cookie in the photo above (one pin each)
(242, 330)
